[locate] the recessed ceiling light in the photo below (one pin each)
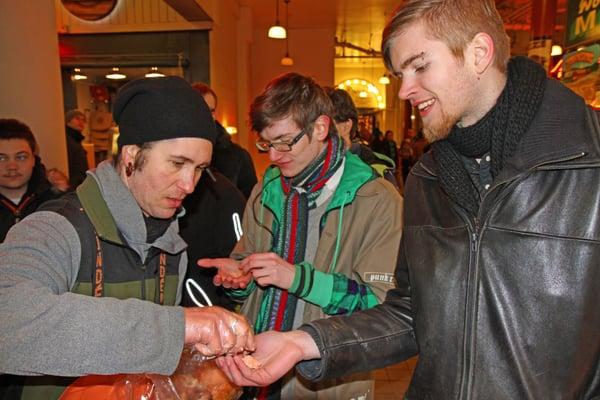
(154, 73)
(115, 74)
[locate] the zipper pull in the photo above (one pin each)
(474, 235)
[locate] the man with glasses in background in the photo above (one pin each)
(321, 231)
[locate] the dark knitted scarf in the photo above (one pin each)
(497, 133)
(278, 306)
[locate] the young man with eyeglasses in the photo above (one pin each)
(321, 231)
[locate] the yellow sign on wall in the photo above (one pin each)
(583, 22)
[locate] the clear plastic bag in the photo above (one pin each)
(195, 378)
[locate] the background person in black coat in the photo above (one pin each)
(23, 188)
(346, 123)
(210, 227)
(75, 124)
(23, 183)
(229, 158)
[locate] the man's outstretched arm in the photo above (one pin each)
(335, 346)
(329, 347)
(276, 353)
(362, 341)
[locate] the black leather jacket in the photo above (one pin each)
(504, 306)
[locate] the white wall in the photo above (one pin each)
(30, 75)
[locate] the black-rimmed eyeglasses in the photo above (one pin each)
(283, 146)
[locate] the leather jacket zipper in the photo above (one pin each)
(474, 226)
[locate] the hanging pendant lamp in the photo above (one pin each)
(277, 31)
(287, 61)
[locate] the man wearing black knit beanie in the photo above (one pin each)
(498, 280)
(105, 264)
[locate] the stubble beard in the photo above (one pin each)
(439, 130)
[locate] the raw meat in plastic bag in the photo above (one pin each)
(195, 378)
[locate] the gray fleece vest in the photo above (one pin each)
(124, 274)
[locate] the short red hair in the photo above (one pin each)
(454, 22)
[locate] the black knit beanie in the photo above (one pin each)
(152, 109)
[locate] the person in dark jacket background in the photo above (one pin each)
(211, 227)
(229, 158)
(345, 119)
(23, 183)
(498, 278)
(75, 124)
(391, 149)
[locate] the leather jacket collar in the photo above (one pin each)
(559, 138)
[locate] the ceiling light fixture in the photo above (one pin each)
(287, 61)
(556, 50)
(115, 74)
(384, 80)
(154, 73)
(232, 130)
(77, 75)
(277, 31)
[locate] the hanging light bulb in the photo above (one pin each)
(277, 31)
(232, 130)
(287, 61)
(384, 80)
(556, 50)
(154, 73)
(115, 74)
(77, 75)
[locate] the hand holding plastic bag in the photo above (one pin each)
(215, 331)
(195, 378)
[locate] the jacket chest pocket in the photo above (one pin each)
(561, 203)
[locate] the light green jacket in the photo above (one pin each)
(367, 240)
